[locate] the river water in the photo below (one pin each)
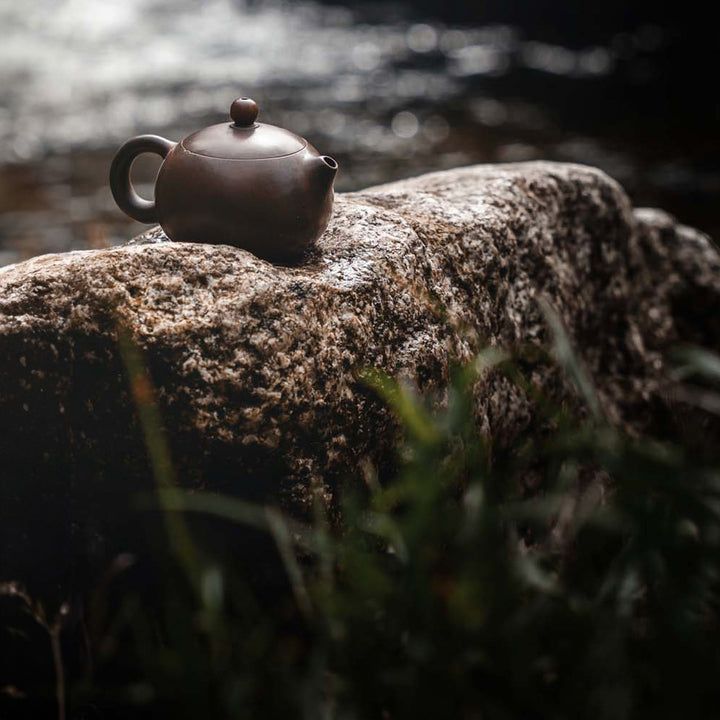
(388, 93)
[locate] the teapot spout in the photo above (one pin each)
(325, 168)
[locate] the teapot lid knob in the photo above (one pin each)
(244, 111)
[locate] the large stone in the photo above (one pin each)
(255, 365)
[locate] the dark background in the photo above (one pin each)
(390, 89)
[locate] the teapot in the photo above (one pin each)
(243, 183)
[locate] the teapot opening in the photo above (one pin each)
(330, 162)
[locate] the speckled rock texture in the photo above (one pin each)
(254, 365)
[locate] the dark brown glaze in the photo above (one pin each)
(239, 142)
(244, 111)
(244, 183)
(123, 191)
(276, 207)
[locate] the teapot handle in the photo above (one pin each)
(120, 184)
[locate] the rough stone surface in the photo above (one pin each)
(254, 365)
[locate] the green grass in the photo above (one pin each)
(449, 590)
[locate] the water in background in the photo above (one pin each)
(388, 94)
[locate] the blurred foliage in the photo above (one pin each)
(446, 592)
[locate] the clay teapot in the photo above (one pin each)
(243, 183)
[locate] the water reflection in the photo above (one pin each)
(388, 99)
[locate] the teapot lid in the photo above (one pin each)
(243, 139)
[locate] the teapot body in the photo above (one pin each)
(274, 207)
(246, 184)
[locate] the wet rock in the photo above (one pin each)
(254, 366)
